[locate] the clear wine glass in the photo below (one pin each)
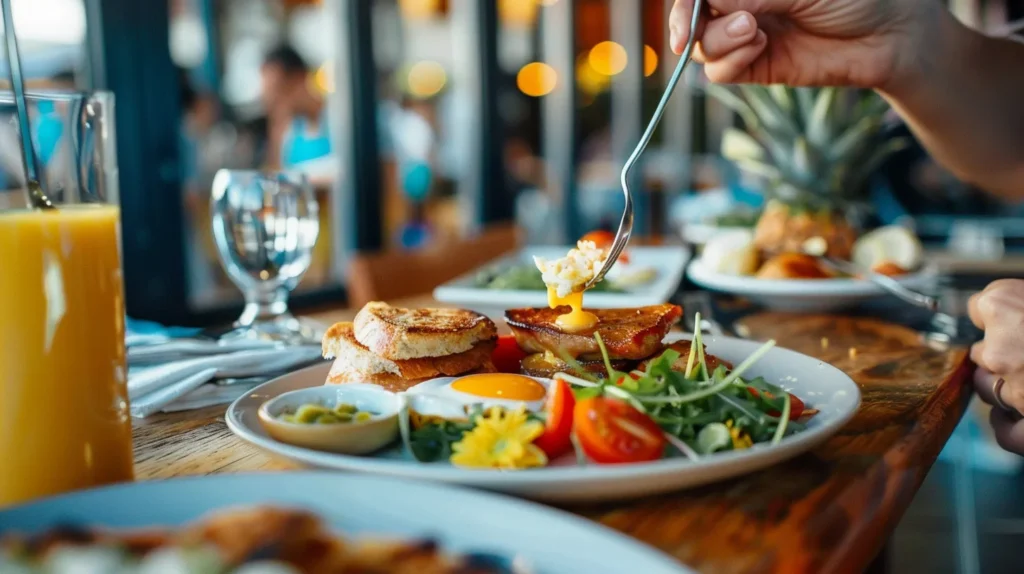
(265, 225)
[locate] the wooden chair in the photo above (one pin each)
(397, 274)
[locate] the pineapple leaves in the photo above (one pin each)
(819, 128)
(854, 139)
(816, 147)
(770, 112)
(735, 103)
(738, 145)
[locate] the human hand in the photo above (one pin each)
(999, 311)
(862, 43)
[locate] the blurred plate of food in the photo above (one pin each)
(618, 407)
(789, 277)
(291, 523)
(642, 276)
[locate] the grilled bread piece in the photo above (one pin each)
(352, 357)
(397, 334)
(683, 348)
(631, 334)
(545, 365)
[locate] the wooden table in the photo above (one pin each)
(828, 511)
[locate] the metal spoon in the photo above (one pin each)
(36, 197)
(626, 224)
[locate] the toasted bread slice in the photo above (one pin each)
(632, 334)
(340, 342)
(397, 334)
(545, 365)
(683, 348)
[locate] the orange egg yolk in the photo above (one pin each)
(575, 320)
(501, 386)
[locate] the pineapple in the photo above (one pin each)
(816, 148)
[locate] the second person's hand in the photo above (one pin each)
(862, 43)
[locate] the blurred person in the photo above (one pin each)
(959, 91)
(297, 123)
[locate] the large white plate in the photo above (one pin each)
(461, 520)
(822, 386)
(803, 295)
(669, 263)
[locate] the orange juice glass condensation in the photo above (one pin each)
(64, 421)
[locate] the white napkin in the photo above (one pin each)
(151, 389)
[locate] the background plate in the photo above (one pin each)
(803, 295)
(820, 385)
(668, 261)
(462, 520)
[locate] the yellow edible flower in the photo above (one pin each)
(500, 439)
(740, 439)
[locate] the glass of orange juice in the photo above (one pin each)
(64, 421)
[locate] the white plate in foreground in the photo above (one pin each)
(668, 262)
(801, 295)
(820, 385)
(462, 520)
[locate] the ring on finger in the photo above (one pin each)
(997, 389)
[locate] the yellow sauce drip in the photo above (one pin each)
(575, 320)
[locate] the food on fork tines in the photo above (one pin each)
(566, 280)
(253, 539)
(398, 348)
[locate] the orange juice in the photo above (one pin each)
(64, 420)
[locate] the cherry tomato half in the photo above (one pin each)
(603, 240)
(559, 406)
(611, 431)
(796, 406)
(507, 355)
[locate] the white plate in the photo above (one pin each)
(461, 520)
(669, 262)
(802, 295)
(822, 386)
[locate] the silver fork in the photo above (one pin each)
(626, 224)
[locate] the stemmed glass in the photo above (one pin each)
(265, 225)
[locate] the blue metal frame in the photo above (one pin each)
(129, 55)
(486, 192)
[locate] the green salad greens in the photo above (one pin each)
(700, 411)
(744, 218)
(525, 277)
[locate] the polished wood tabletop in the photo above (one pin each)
(827, 511)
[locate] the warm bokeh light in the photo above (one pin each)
(517, 12)
(650, 60)
(546, 2)
(588, 79)
(419, 9)
(608, 58)
(536, 79)
(322, 80)
(426, 79)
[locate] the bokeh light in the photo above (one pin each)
(517, 12)
(650, 61)
(608, 58)
(426, 79)
(536, 79)
(589, 80)
(322, 79)
(419, 9)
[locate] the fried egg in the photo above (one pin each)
(450, 397)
